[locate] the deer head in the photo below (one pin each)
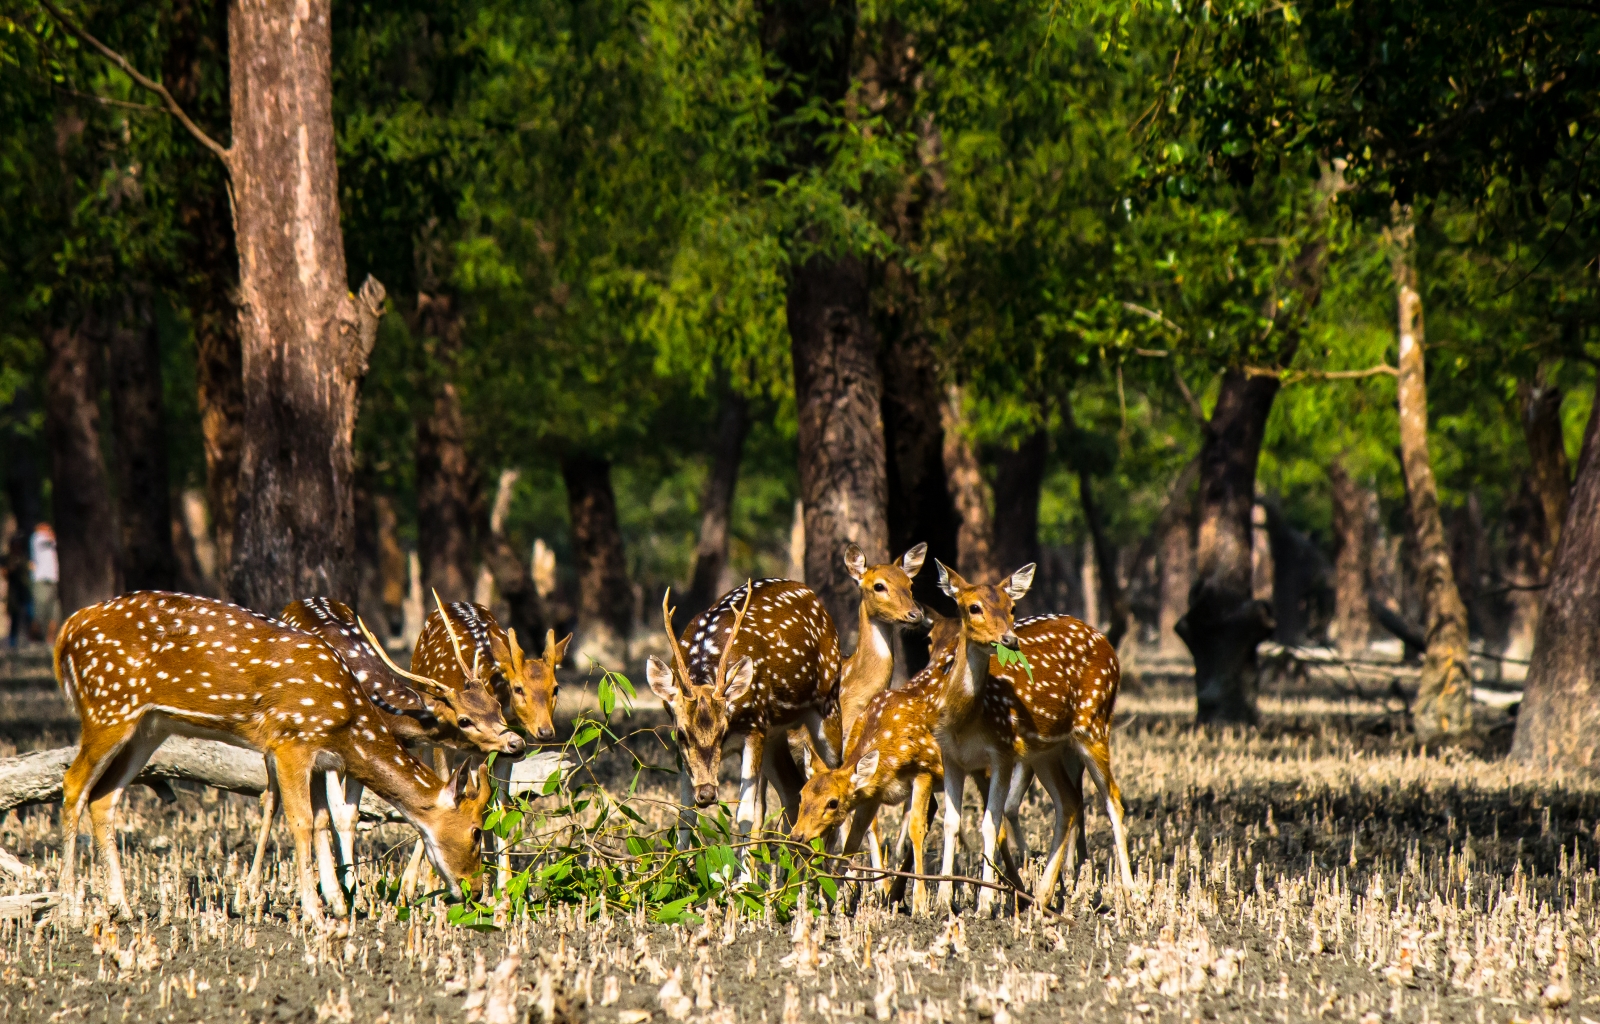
(471, 708)
(701, 712)
(886, 589)
(830, 796)
(531, 682)
(988, 611)
(452, 826)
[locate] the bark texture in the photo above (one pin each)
(968, 493)
(304, 338)
(605, 598)
(447, 483)
(83, 518)
(1352, 625)
(716, 505)
(144, 496)
(838, 402)
(1225, 622)
(1549, 474)
(1177, 576)
(1558, 725)
(1444, 696)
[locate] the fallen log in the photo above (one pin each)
(35, 778)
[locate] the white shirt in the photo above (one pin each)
(46, 569)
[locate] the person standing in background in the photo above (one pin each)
(19, 597)
(46, 581)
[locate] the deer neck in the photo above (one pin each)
(390, 771)
(868, 670)
(963, 687)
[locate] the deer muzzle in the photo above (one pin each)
(511, 743)
(705, 796)
(1010, 640)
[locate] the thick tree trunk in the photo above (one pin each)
(1225, 622)
(716, 505)
(968, 493)
(605, 599)
(85, 524)
(921, 508)
(1352, 625)
(1300, 592)
(1018, 481)
(1444, 696)
(304, 338)
(144, 495)
(838, 402)
(1177, 576)
(1524, 571)
(391, 562)
(198, 34)
(1547, 455)
(446, 480)
(1558, 725)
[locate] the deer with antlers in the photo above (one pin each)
(148, 665)
(460, 712)
(1052, 718)
(761, 662)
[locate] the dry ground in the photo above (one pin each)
(1318, 868)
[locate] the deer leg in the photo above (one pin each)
(127, 763)
(345, 807)
(955, 780)
(823, 739)
(269, 811)
(1097, 760)
(688, 817)
(413, 871)
(296, 794)
(919, 814)
(787, 779)
(756, 757)
(95, 751)
(322, 841)
(501, 847)
(1066, 794)
(1021, 779)
(994, 813)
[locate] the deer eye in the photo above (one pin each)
(975, 609)
(833, 805)
(463, 721)
(880, 588)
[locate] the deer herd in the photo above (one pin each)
(759, 675)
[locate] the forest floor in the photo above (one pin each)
(1317, 868)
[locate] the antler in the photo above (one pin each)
(738, 620)
(455, 642)
(672, 638)
(430, 685)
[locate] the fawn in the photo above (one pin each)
(147, 665)
(1054, 722)
(457, 712)
(784, 674)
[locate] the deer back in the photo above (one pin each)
(790, 641)
(335, 622)
(1073, 689)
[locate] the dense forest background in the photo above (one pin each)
(680, 293)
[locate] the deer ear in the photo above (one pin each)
(949, 580)
(806, 755)
(502, 653)
(855, 562)
(866, 768)
(560, 649)
(1017, 583)
(911, 561)
(740, 677)
(659, 675)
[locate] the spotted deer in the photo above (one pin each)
(892, 756)
(455, 712)
(761, 662)
(148, 665)
(1053, 721)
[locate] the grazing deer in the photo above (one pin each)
(417, 709)
(784, 673)
(892, 755)
(148, 665)
(1053, 721)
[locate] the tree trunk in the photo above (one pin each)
(85, 525)
(1225, 622)
(838, 403)
(138, 414)
(1113, 600)
(716, 505)
(1547, 455)
(1444, 696)
(968, 493)
(1018, 480)
(921, 507)
(303, 337)
(1525, 570)
(605, 598)
(1177, 576)
(1558, 725)
(1352, 624)
(512, 576)
(24, 483)
(198, 34)
(446, 480)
